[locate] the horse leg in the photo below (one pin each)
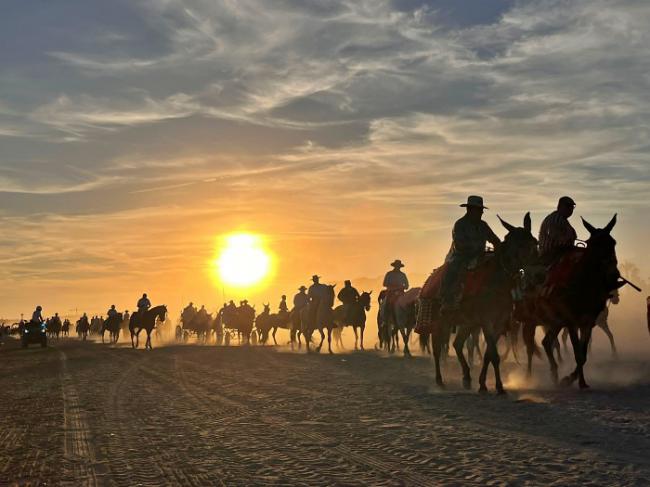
(322, 339)
(459, 345)
(356, 336)
(492, 354)
(405, 332)
(363, 328)
(548, 341)
(329, 340)
(132, 341)
(585, 339)
(608, 332)
(275, 330)
(436, 345)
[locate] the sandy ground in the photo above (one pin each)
(91, 414)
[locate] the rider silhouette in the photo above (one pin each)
(283, 307)
(348, 296)
(143, 305)
(300, 300)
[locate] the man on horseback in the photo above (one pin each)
(348, 295)
(469, 238)
(556, 235)
(143, 305)
(283, 307)
(395, 283)
(112, 312)
(300, 300)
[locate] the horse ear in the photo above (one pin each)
(528, 225)
(370, 292)
(505, 224)
(611, 224)
(590, 228)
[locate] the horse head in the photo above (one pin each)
(364, 300)
(519, 248)
(328, 299)
(601, 248)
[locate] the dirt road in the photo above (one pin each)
(87, 414)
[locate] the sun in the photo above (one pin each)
(243, 261)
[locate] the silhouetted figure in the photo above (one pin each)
(556, 235)
(283, 306)
(143, 304)
(112, 313)
(300, 300)
(317, 292)
(647, 301)
(469, 238)
(395, 283)
(37, 316)
(348, 295)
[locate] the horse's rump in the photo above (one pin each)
(408, 298)
(474, 282)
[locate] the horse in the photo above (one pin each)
(54, 326)
(355, 317)
(295, 331)
(240, 320)
(112, 325)
(83, 327)
(577, 302)
(488, 306)
(264, 324)
(200, 324)
(147, 322)
(281, 320)
(65, 328)
(318, 315)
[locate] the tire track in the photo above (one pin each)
(299, 432)
(147, 465)
(78, 448)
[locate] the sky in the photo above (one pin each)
(135, 133)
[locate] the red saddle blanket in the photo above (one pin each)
(475, 280)
(561, 271)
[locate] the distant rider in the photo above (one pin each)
(37, 316)
(348, 295)
(300, 300)
(143, 305)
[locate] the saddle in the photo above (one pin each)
(475, 280)
(561, 271)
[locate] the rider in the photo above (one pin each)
(37, 316)
(396, 283)
(300, 300)
(556, 235)
(348, 295)
(143, 304)
(283, 307)
(469, 235)
(202, 313)
(112, 312)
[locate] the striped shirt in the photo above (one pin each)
(555, 233)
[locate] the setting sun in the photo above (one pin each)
(243, 261)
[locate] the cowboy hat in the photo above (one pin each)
(474, 201)
(302, 288)
(314, 277)
(397, 263)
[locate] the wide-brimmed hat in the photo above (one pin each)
(314, 277)
(474, 201)
(397, 263)
(566, 200)
(302, 288)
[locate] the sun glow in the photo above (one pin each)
(243, 260)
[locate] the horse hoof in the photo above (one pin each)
(584, 385)
(501, 391)
(467, 383)
(483, 389)
(566, 381)
(440, 383)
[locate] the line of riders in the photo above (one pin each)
(519, 282)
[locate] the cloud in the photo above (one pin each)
(303, 115)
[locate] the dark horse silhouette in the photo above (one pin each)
(318, 315)
(490, 308)
(147, 323)
(577, 303)
(355, 317)
(112, 325)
